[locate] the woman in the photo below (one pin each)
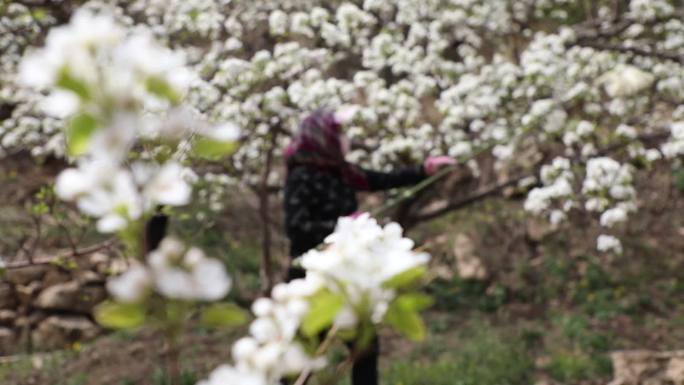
(321, 187)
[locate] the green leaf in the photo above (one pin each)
(120, 315)
(405, 278)
(678, 179)
(70, 83)
(81, 128)
(415, 301)
(406, 322)
(324, 306)
(223, 315)
(403, 315)
(39, 14)
(161, 88)
(213, 149)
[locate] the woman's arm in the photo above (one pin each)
(399, 178)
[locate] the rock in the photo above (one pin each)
(70, 296)
(675, 370)
(55, 277)
(537, 229)
(7, 317)
(116, 267)
(59, 331)
(8, 299)
(98, 259)
(86, 277)
(30, 320)
(7, 341)
(468, 264)
(99, 263)
(26, 293)
(26, 274)
(648, 367)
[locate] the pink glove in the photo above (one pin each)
(355, 214)
(434, 163)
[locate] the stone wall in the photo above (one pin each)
(49, 305)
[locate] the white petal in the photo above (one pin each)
(111, 223)
(168, 186)
(211, 279)
(227, 132)
(131, 286)
(60, 104)
(71, 183)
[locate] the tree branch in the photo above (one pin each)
(492, 190)
(84, 251)
(630, 50)
(482, 194)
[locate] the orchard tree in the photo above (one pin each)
(128, 131)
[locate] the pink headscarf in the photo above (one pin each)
(319, 144)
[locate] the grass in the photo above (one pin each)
(482, 355)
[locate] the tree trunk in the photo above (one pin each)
(266, 271)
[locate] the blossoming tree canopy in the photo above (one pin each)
(526, 81)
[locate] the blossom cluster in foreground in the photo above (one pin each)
(174, 272)
(119, 89)
(359, 258)
(350, 278)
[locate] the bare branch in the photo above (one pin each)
(630, 50)
(84, 251)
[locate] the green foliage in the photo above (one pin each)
(406, 278)
(402, 314)
(120, 316)
(80, 130)
(324, 306)
(482, 357)
(44, 197)
(460, 294)
(213, 149)
(39, 14)
(581, 352)
(162, 89)
(678, 178)
(187, 377)
(223, 315)
(66, 81)
(130, 237)
(574, 366)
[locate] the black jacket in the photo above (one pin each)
(315, 199)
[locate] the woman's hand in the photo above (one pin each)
(355, 214)
(434, 163)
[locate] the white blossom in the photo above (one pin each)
(131, 286)
(359, 257)
(606, 243)
(626, 80)
(187, 274)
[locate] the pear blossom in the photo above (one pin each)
(168, 186)
(132, 286)
(612, 216)
(359, 257)
(226, 374)
(187, 274)
(608, 243)
(271, 350)
(625, 80)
